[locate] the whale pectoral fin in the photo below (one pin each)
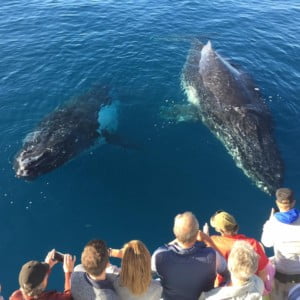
(180, 113)
(115, 139)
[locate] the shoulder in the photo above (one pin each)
(258, 284)
(77, 275)
(54, 295)
(16, 295)
(254, 243)
(79, 268)
(162, 248)
(223, 241)
(217, 238)
(272, 222)
(202, 249)
(213, 294)
(161, 251)
(113, 278)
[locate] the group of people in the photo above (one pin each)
(194, 266)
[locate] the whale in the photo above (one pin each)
(228, 102)
(84, 121)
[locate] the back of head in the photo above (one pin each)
(136, 267)
(224, 222)
(242, 261)
(94, 257)
(285, 196)
(186, 227)
(31, 277)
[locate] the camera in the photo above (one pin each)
(58, 256)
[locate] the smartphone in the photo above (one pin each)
(58, 256)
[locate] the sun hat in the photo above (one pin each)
(32, 274)
(223, 221)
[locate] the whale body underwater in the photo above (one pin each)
(70, 129)
(230, 105)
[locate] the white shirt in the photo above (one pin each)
(285, 238)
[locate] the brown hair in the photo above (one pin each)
(33, 292)
(136, 267)
(94, 257)
(284, 195)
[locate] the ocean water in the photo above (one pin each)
(51, 51)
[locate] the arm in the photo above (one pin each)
(118, 253)
(263, 274)
(202, 237)
(221, 267)
(68, 267)
(262, 261)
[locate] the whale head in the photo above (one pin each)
(29, 165)
(39, 155)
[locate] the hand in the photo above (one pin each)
(202, 236)
(206, 229)
(69, 263)
(50, 258)
(118, 253)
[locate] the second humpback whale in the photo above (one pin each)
(82, 122)
(230, 105)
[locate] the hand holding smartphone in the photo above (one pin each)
(58, 256)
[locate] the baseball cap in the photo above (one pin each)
(222, 220)
(32, 274)
(284, 195)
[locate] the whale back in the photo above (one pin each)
(230, 105)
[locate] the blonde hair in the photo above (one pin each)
(242, 261)
(136, 267)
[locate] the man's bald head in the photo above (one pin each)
(186, 227)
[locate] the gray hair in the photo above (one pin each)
(242, 261)
(186, 227)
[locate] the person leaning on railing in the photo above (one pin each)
(242, 265)
(282, 232)
(225, 224)
(135, 279)
(187, 266)
(90, 279)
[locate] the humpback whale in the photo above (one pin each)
(230, 105)
(73, 127)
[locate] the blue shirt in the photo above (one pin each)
(186, 273)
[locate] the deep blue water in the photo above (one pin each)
(51, 51)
